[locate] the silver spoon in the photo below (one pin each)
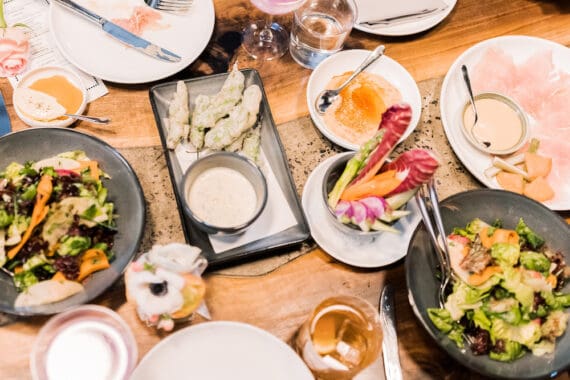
(327, 97)
(91, 119)
(472, 101)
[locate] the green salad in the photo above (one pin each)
(56, 223)
(506, 299)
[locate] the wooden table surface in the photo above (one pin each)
(280, 300)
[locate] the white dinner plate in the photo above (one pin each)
(351, 248)
(349, 60)
(403, 28)
(221, 350)
(454, 96)
(88, 47)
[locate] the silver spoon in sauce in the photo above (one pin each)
(472, 101)
(327, 97)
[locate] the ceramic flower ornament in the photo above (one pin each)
(14, 47)
(165, 284)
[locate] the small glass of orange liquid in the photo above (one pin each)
(341, 337)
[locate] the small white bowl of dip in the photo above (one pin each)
(502, 125)
(60, 83)
(223, 193)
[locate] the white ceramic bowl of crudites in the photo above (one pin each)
(45, 72)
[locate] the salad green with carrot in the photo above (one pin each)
(56, 223)
(506, 299)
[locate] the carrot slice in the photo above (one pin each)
(92, 260)
(499, 236)
(379, 186)
(537, 165)
(43, 192)
(477, 279)
(511, 181)
(539, 190)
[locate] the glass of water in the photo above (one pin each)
(319, 30)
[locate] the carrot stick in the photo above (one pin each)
(379, 186)
(477, 279)
(43, 192)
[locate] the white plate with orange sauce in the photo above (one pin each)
(59, 82)
(385, 67)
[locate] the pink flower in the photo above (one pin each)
(14, 51)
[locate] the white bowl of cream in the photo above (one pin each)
(223, 193)
(502, 125)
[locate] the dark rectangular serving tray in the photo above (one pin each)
(160, 96)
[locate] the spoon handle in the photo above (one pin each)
(373, 56)
(469, 90)
(92, 119)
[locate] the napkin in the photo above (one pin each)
(376, 10)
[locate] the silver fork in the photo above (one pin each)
(171, 6)
(439, 244)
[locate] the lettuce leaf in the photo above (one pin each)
(535, 261)
(528, 236)
(441, 318)
(463, 298)
(511, 351)
(526, 333)
(505, 254)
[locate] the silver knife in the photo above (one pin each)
(423, 13)
(390, 353)
(4, 118)
(122, 34)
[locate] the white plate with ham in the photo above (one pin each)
(92, 50)
(536, 74)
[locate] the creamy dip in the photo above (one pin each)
(356, 114)
(88, 349)
(222, 197)
(499, 125)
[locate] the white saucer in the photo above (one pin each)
(406, 28)
(353, 249)
(349, 60)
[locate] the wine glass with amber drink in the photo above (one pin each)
(341, 337)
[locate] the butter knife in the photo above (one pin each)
(423, 13)
(392, 367)
(122, 34)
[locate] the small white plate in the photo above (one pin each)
(353, 248)
(221, 350)
(406, 28)
(349, 60)
(46, 72)
(88, 47)
(454, 96)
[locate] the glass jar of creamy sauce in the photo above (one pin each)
(501, 127)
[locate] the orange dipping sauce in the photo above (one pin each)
(355, 116)
(58, 86)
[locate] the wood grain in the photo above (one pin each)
(279, 301)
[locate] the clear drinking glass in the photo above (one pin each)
(319, 29)
(267, 39)
(341, 337)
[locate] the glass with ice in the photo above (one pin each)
(319, 30)
(341, 337)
